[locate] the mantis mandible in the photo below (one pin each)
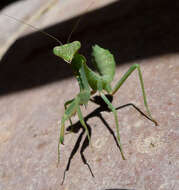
(91, 82)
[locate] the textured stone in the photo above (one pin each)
(35, 86)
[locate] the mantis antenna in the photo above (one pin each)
(78, 21)
(35, 28)
(46, 33)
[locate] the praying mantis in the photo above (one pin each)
(91, 82)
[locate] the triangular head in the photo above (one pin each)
(67, 51)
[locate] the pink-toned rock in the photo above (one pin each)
(30, 117)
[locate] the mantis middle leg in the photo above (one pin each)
(67, 115)
(83, 123)
(74, 106)
(65, 105)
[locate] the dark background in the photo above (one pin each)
(4, 3)
(131, 30)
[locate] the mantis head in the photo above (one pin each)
(67, 51)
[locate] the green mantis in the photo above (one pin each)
(91, 82)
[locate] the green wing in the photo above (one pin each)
(104, 62)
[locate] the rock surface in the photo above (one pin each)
(35, 85)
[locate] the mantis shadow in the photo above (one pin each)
(75, 128)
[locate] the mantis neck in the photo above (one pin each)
(78, 64)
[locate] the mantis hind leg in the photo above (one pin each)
(112, 108)
(123, 79)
